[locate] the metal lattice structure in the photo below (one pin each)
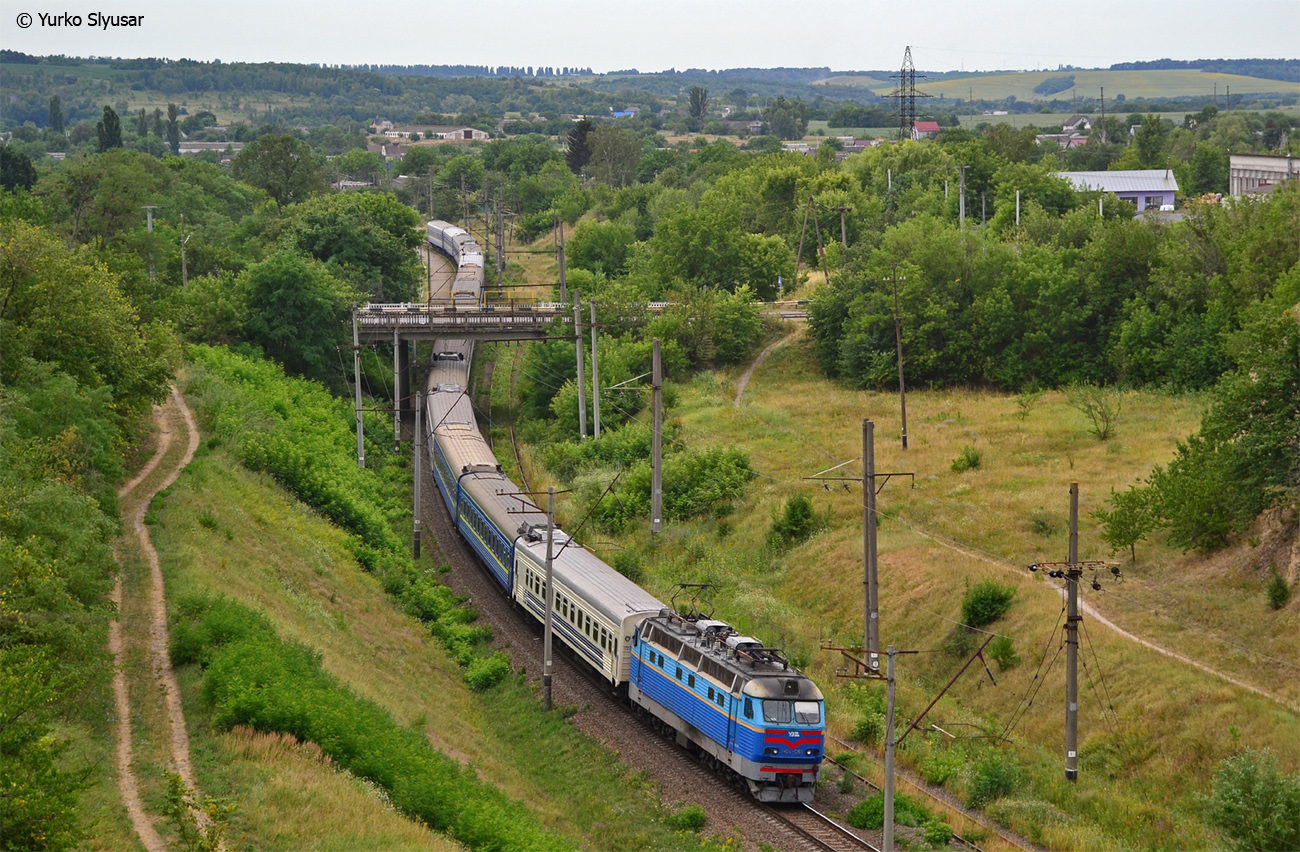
(906, 95)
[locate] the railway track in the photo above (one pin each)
(818, 829)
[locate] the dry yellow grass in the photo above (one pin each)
(333, 810)
(1152, 730)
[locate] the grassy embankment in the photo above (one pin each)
(224, 530)
(1152, 730)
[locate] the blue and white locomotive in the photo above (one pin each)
(736, 703)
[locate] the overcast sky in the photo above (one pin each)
(653, 35)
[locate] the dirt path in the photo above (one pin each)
(126, 780)
(1089, 610)
(167, 417)
(762, 356)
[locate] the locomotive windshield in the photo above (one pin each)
(800, 712)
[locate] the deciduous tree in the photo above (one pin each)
(285, 167)
(297, 312)
(615, 154)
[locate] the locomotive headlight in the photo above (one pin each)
(771, 751)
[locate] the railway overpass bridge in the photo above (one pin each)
(406, 322)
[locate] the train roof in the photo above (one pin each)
(447, 228)
(714, 645)
(609, 592)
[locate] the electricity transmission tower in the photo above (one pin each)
(906, 95)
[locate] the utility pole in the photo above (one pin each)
(889, 750)
(464, 204)
(898, 342)
(148, 212)
(550, 600)
(961, 197)
(1103, 115)
(820, 248)
(871, 633)
(185, 272)
(397, 391)
(844, 234)
(595, 377)
(418, 443)
(500, 242)
(798, 259)
(564, 284)
(656, 442)
(1073, 574)
(870, 665)
(356, 383)
(582, 383)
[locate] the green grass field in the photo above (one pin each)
(1131, 84)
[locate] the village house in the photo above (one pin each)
(427, 131)
(1147, 189)
(924, 130)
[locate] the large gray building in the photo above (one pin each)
(1251, 173)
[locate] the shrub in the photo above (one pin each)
(869, 728)
(994, 775)
(796, 523)
(689, 818)
(1003, 651)
(1278, 592)
(986, 602)
(970, 459)
(1131, 516)
(869, 813)
(937, 832)
(486, 672)
(1026, 401)
(846, 783)
(1100, 405)
(1043, 523)
(938, 761)
(1254, 804)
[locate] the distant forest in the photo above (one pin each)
(1268, 69)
